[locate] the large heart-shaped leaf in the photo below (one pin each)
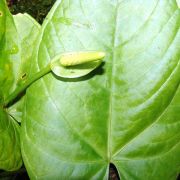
(12, 64)
(127, 113)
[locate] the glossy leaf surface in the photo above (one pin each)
(11, 65)
(28, 30)
(127, 113)
(10, 155)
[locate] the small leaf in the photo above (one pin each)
(76, 64)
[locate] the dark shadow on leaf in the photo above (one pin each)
(17, 98)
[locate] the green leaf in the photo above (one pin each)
(16, 50)
(8, 53)
(178, 3)
(127, 113)
(28, 30)
(13, 41)
(2, 21)
(10, 154)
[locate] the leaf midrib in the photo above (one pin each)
(109, 155)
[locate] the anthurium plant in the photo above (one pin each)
(97, 83)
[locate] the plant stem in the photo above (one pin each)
(24, 86)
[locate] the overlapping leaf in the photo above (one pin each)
(28, 30)
(12, 42)
(127, 113)
(10, 155)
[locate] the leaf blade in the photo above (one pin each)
(10, 62)
(111, 109)
(27, 30)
